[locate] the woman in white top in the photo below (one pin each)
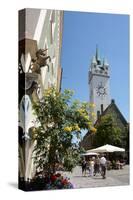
(91, 166)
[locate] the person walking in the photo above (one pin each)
(103, 163)
(84, 166)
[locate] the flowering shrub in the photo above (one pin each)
(68, 129)
(93, 130)
(56, 181)
(60, 122)
(76, 127)
(92, 105)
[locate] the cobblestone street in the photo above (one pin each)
(113, 178)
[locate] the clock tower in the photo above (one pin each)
(99, 84)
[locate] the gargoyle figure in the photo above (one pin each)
(40, 61)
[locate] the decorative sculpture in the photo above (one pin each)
(40, 61)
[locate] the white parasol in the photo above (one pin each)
(106, 148)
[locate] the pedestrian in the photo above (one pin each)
(84, 166)
(97, 166)
(91, 166)
(103, 163)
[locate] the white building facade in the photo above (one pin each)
(40, 35)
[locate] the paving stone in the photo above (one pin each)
(113, 178)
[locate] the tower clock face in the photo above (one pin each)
(101, 90)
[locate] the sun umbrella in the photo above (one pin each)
(89, 154)
(107, 148)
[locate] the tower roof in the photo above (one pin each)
(113, 108)
(97, 54)
(98, 60)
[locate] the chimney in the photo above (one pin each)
(98, 114)
(101, 109)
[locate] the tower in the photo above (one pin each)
(99, 83)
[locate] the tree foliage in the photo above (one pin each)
(59, 120)
(108, 132)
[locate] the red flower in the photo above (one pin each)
(53, 178)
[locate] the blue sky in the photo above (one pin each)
(81, 33)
